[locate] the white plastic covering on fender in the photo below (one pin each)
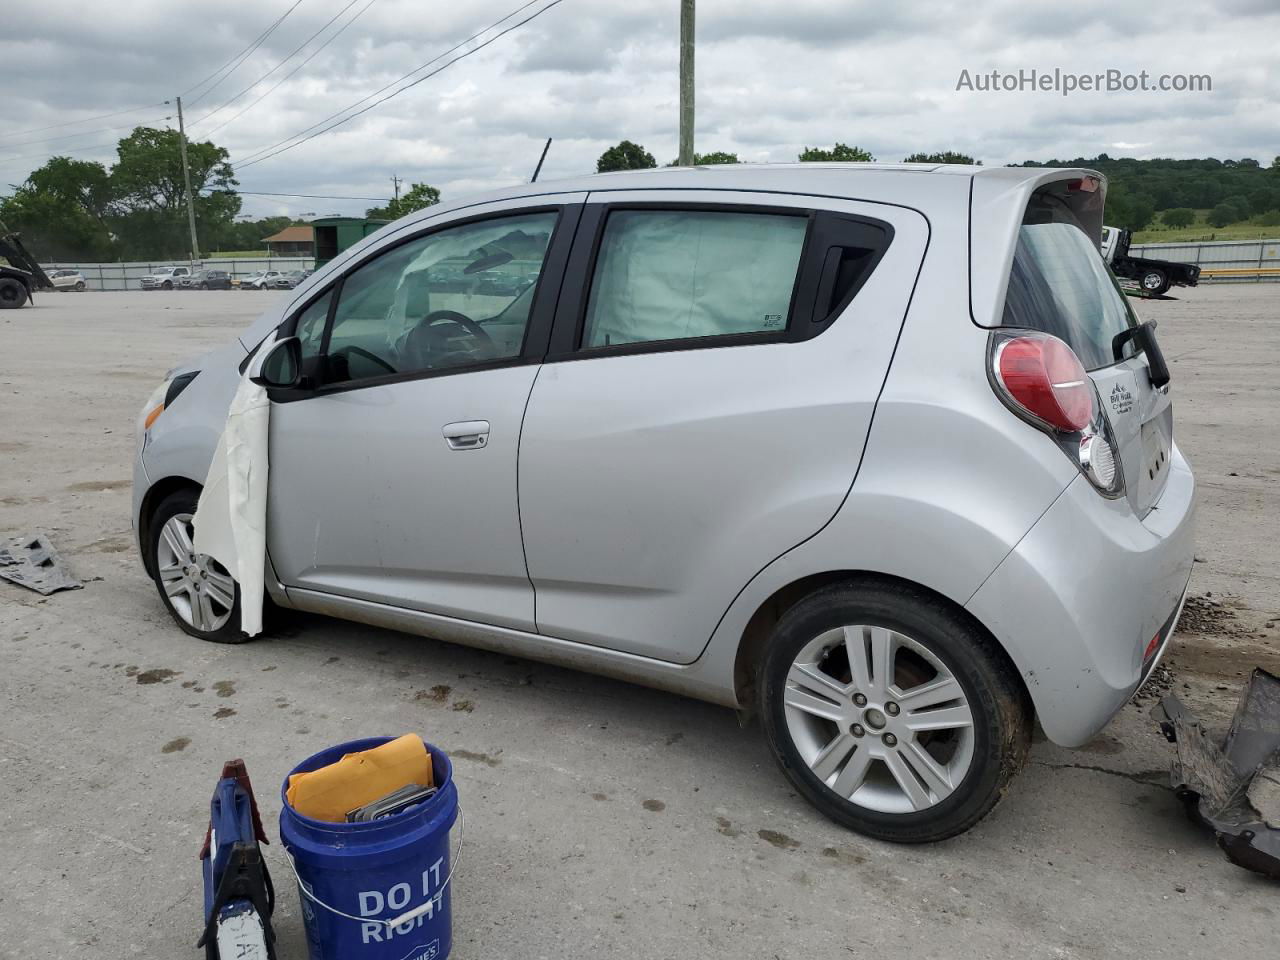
(231, 518)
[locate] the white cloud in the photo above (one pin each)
(773, 76)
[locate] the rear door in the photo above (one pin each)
(714, 366)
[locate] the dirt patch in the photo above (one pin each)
(674, 738)
(779, 840)
(225, 688)
(464, 706)
(848, 858)
(725, 827)
(437, 694)
(332, 660)
(1104, 745)
(12, 446)
(158, 675)
(1156, 686)
(654, 806)
(486, 759)
(120, 543)
(600, 796)
(95, 486)
(223, 712)
(176, 744)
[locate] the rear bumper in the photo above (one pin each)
(1078, 601)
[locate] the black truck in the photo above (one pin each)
(22, 277)
(1154, 277)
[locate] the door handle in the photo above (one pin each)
(466, 434)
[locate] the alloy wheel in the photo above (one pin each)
(199, 588)
(879, 719)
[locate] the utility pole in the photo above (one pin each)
(686, 83)
(395, 183)
(186, 176)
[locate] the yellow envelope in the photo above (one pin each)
(331, 792)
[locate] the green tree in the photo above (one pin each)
(1244, 210)
(1222, 214)
(946, 156)
(625, 156)
(714, 157)
(1178, 217)
(147, 184)
(840, 153)
(1270, 219)
(419, 196)
(61, 210)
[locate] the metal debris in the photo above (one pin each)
(1232, 785)
(32, 562)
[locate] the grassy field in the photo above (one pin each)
(239, 253)
(1202, 231)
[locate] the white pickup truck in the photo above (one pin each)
(165, 278)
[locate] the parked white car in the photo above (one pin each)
(880, 456)
(166, 278)
(260, 280)
(66, 279)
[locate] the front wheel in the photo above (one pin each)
(891, 713)
(167, 285)
(199, 593)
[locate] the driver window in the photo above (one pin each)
(454, 298)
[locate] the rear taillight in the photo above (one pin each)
(1041, 379)
(1043, 376)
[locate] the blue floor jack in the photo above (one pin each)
(238, 895)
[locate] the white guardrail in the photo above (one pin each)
(128, 276)
(1220, 260)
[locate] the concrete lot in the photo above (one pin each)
(602, 820)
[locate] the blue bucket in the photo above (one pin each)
(355, 877)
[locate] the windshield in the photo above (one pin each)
(1060, 285)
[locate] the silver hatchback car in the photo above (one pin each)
(880, 454)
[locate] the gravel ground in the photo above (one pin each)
(603, 820)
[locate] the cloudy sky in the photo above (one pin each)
(772, 77)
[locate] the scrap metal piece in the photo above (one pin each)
(32, 562)
(1232, 785)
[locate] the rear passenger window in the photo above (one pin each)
(680, 274)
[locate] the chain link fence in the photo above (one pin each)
(128, 276)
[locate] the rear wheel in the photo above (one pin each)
(1154, 282)
(13, 294)
(199, 593)
(891, 713)
(80, 286)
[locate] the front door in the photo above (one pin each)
(393, 474)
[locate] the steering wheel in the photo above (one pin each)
(425, 341)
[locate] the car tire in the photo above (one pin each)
(79, 286)
(167, 285)
(1154, 282)
(204, 286)
(908, 767)
(193, 588)
(12, 293)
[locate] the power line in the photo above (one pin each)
(102, 116)
(236, 61)
(359, 13)
(82, 133)
(268, 152)
(303, 196)
(295, 52)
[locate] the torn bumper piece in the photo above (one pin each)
(32, 562)
(1232, 785)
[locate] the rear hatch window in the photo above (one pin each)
(1059, 284)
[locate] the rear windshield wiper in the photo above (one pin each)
(1144, 335)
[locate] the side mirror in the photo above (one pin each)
(281, 365)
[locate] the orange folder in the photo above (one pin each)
(331, 792)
